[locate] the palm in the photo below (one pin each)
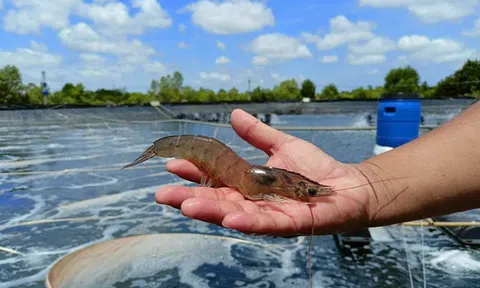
(227, 207)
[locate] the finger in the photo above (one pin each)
(213, 211)
(271, 222)
(184, 169)
(175, 195)
(257, 133)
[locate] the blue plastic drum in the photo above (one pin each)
(398, 119)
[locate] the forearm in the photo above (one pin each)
(441, 170)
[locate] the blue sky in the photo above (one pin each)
(220, 44)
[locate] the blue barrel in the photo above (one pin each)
(398, 119)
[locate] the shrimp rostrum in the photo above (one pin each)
(222, 166)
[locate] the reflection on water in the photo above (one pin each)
(61, 190)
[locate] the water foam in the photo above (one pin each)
(102, 201)
(456, 262)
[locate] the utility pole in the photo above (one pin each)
(44, 88)
(249, 92)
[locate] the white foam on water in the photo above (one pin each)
(38, 258)
(26, 280)
(39, 204)
(11, 147)
(37, 148)
(456, 262)
(29, 178)
(24, 163)
(102, 201)
(274, 119)
(12, 157)
(55, 146)
(111, 181)
(150, 175)
(360, 120)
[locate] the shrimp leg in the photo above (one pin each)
(206, 181)
(267, 197)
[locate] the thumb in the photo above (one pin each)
(257, 133)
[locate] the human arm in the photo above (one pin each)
(424, 191)
(442, 169)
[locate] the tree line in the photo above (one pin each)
(465, 82)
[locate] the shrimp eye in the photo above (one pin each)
(312, 191)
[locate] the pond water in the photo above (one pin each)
(61, 190)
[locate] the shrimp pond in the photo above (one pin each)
(61, 189)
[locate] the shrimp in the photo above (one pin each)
(221, 165)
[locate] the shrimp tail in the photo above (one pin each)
(149, 153)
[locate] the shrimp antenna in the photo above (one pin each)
(149, 153)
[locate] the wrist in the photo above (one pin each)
(382, 193)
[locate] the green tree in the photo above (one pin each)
(33, 93)
(330, 91)
(11, 87)
(465, 81)
(287, 90)
(177, 81)
(222, 95)
(206, 95)
(137, 98)
(308, 89)
(189, 94)
(424, 86)
(233, 94)
(402, 80)
(264, 95)
(359, 93)
(168, 89)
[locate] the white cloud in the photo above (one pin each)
(475, 30)
(328, 59)
(28, 16)
(276, 77)
(95, 66)
(359, 59)
(82, 37)
(375, 45)
(182, 45)
(32, 61)
(221, 45)
(374, 71)
(156, 67)
(35, 56)
(223, 77)
(342, 31)
(222, 60)
(182, 28)
(1, 4)
(96, 72)
(260, 61)
(429, 11)
(438, 50)
(370, 52)
(89, 57)
(133, 63)
(113, 18)
(276, 46)
(230, 16)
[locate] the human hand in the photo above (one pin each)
(345, 210)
